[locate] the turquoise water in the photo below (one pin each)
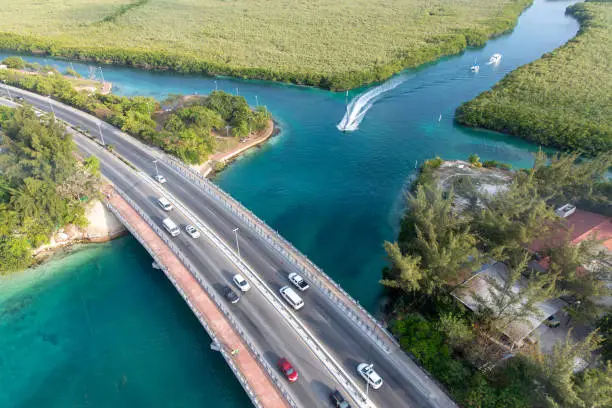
(337, 196)
(101, 328)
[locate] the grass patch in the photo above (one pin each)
(323, 43)
(561, 100)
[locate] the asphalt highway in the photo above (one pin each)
(406, 385)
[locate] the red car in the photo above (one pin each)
(287, 369)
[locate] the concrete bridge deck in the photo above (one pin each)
(254, 379)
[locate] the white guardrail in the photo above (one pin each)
(213, 295)
(273, 239)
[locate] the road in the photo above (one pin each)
(406, 385)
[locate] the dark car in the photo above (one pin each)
(338, 400)
(230, 295)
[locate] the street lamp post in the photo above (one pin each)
(101, 135)
(50, 105)
(7, 90)
(156, 171)
(237, 245)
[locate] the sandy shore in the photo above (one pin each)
(103, 226)
(207, 168)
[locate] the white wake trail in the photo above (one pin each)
(361, 104)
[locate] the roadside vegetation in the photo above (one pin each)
(561, 100)
(448, 232)
(324, 43)
(43, 186)
(187, 132)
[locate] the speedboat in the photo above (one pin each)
(495, 58)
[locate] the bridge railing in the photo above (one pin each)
(360, 316)
(253, 348)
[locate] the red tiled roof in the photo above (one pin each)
(577, 227)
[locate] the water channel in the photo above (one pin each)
(101, 328)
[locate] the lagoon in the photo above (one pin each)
(104, 329)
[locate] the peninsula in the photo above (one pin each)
(561, 100)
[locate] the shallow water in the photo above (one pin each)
(101, 328)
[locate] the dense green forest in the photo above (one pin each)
(188, 132)
(324, 43)
(439, 247)
(42, 185)
(561, 100)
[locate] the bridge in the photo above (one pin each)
(325, 340)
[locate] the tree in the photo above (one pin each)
(584, 285)
(513, 298)
(456, 329)
(14, 62)
(406, 273)
(557, 371)
(566, 178)
(594, 387)
(436, 247)
(513, 218)
(605, 328)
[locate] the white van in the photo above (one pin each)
(171, 227)
(164, 203)
(292, 297)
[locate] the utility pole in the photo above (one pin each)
(101, 135)
(237, 245)
(7, 90)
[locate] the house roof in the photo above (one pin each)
(479, 285)
(577, 227)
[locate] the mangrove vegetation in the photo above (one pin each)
(561, 100)
(324, 43)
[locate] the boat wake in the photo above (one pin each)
(361, 104)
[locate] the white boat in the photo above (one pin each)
(475, 68)
(495, 58)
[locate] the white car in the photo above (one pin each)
(165, 204)
(161, 179)
(371, 376)
(192, 231)
(298, 281)
(242, 283)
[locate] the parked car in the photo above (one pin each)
(192, 231)
(161, 179)
(287, 369)
(230, 295)
(552, 322)
(298, 281)
(338, 400)
(371, 376)
(242, 283)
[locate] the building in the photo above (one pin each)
(479, 286)
(574, 226)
